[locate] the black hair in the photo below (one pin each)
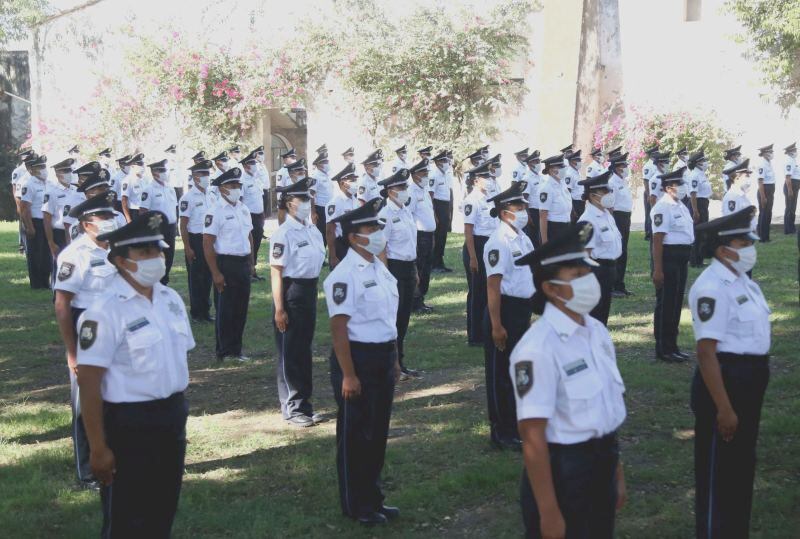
(286, 198)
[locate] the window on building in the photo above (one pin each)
(278, 146)
(693, 10)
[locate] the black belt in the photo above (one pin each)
(304, 282)
(727, 357)
(594, 443)
(153, 405)
(511, 300)
(679, 248)
(605, 261)
(372, 346)
(402, 262)
(235, 257)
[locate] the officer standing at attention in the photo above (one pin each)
(623, 207)
(569, 395)
(192, 209)
(572, 177)
(159, 196)
(522, 168)
(295, 171)
(596, 167)
(349, 155)
(132, 186)
(132, 372)
(766, 192)
(605, 245)
(253, 198)
(509, 291)
(93, 180)
(673, 235)
(342, 201)
(321, 186)
(732, 158)
(400, 162)
(479, 224)
(700, 191)
(56, 196)
(84, 274)
(362, 303)
(533, 178)
(228, 248)
(731, 325)
(421, 207)
(31, 196)
(282, 176)
(400, 231)
(442, 206)
(790, 188)
(368, 188)
(648, 171)
(222, 162)
(661, 164)
(736, 198)
(117, 176)
(296, 256)
(555, 201)
(17, 176)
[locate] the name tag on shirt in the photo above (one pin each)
(302, 244)
(97, 262)
(515, 254)
(228, 217)
(396, 220)
(138, 324)
(741, 299)
(370, 284)
(575, 367)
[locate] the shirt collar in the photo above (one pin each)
(563, 325)
(357, 260)
(723, 272)
(508, 231)
(294, 223)
(125, 291)
(594, 209)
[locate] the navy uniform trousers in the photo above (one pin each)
(765, 211)
(791, 207)
(258, 232)
(424, 259)
(148, 440)
(585, 483)
(406, 274)
(442, 209)
(697, 248)
(532, 230)
(294, 346)
(606, 274)
(476, 291)
(724, 471)
(200, 281)
(362, 425)
(669, 298)
(232, 304)
(60, 239)
(623, 222)
(169, 253)
(515, 316)
(320, 224)
(555, 229)
(648, 224)
(38, 257)
(80, 442)
(578, 207)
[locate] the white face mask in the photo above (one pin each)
(203, 181)
(325, 167)
(683, 191)
(747, 259)
(626, 172)
(377, 242)
(745, 185)
(303, 210)
(520, 218)
(703, 166)
(608, 200)
(498, 172)
(233, 195)
(585, 293)
(352, 188)
(105, 226)
(401, 197)
(66, 179)
(148, 271)
(41, 174)
(225, 166)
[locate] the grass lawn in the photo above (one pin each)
(248, 475)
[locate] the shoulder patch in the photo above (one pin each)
(46, 198)
(694, 183)
(467, 209)
(144, 196)
(277, 250)
(542, 197)
(523, 377)
(494, 257)
(65, 271)
(658, 219)
(209, 219)
(705, 308)
(339, 293)
(24, 190)
(431, 182)
(67, 207)
(184, 205)
(125, 186)
(88, 334)
(731, 205)
(331, 209)
(361, 190)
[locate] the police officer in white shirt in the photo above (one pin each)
(623, 208)
(733, 157)
(222, 162)
(569, 395)
(475, 159)
(192, 209)
(648, 171)
(400, 230)
(362, 300)
(736, 198)
(766, 192)
(508, 313)
(117, 177)
(342, 201)
(496, 168)
(172, 178)
(521, 169)
(295, 172)
(479, 224)
(17, 175)
(572, 177)
(673, 235)
(731, 325)
(400, 162)
(253, 198)
(368, 188)
(56, 195)
(75, 154)
(93, 180)
(442, 193)
(132, 372)
(263, 179)
(595, 167)
(296, 256)
(228, 248)
(421, 207)
(104, 157)
(31, 196)
(322, 188)
(682, 160)
(555, 201)
(661, 166)
(83, 275)
(349, 155)
(159, 195)
(791, 185)
(700, 192)
(132, 186)
(533, 178)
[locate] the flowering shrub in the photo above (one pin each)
(637, 129)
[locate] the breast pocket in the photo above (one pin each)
(99, 275)
(678, 221)
(581, 390)
(142, 347)
(743, 322)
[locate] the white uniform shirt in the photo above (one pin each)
(571, 179)
(231, 225)
(73, 198)
(252, 193)
(567, 373)
(322, 186)
(623, 198)
(398, 164)
(84, 270)
(726, 166)
(672, 218)
(556, 199)
(132, 188)
(503, 247)
(519, 172)
(298, 248)
(765, 172)
(594, 168)
(656, 190)
(193, 206)
(160, 197)
(421, 207)
(282, 177)
(367, 293)
(339, 204)
(531, 192)
(31, 190)
(401, 231)
(56, 197)
(476, 213)
(115, 182)
(649, 171)
(142, 344)
(368, 188)
(730, 309)
(734, 200)
(699, 184)
(791, 169)
(606, 242)
(17, 176)
(442, 183)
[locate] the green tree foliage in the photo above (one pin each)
(18, 16)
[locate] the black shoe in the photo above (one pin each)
(411, 373)
(300, 421)
(427, 307)
(372, 519)
(474, 344)
(507, 444)
(437, 270)
(684, 355)
(389, 512)
(671, 357)
(92, 484)
(618, 294)
(445, 269)
(628, 293)
(318, 418)
(647, 237)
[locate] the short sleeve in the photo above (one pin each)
(660, 219)
(145, 198)
(339, 295)
(183, 206)
(709, 314)
(470, 210)
(330, 211)
(248, 222)
(69, 275)
(546, 198)
(535, 385)
(211, 223)
(49, 203)
(592, 243)
(97, 338)
(279, 249)
(496, 257)
(26, 193)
